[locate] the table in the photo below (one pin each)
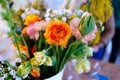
(108, 69)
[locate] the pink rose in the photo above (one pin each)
(90, 36)
(74, 28)
(34, 29)
(32, 32)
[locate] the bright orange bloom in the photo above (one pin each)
(24, 31)
(31, 18)
(35, 72)
(23, 49)
(57, 32)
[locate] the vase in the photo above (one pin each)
(58, 76)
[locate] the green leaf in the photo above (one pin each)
(86, 24)
(24, 69)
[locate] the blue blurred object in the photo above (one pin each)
(102, 77)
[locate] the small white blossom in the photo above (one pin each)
(12, 72)
(23, 16)
(29, 11)
(48, 10)
(47, 15)
(55, 18)
(64, 19)
(5, 75)
(55, 11)
(18, 78)
(9, 68)
(18, 60)
(47, 19)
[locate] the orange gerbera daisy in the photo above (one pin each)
(57, 32)
(31, 18)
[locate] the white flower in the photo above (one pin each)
(18, 78)
(21, 4)
(7, 51)
(47, 19)
(64, 19)
(55, 11)
(29, 11)
(48, 10)
(5, 75)
(5, 43)
(18, 60)
(4, 28)
(47, 15)
(55, 18)
(72, 5)
(12, 72)
(9, 68)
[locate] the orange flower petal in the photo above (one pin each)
(24, 31)
(57, 32)
(31, 18)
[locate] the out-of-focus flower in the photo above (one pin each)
(32, 32)
(7, 51)
(84, 1)
(23, 49)
(48, 61)
(58, 33)
(40, 26)
(41, 58)
(4, 28)
(22, 4)
(29, 11)
(24, 31)
(31, 18)
(34, 29)
(35, 72)
(74, 28)
(91, 36)
(82, 65)
(34, 62)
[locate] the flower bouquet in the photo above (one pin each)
(46, 42)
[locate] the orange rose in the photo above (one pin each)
(31, 18)
(57, 32)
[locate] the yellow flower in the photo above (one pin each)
(57, 32)
(31, 18)
(82, 65)
(34, 61)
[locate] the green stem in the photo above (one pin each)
(40, 42)
(24, 41)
